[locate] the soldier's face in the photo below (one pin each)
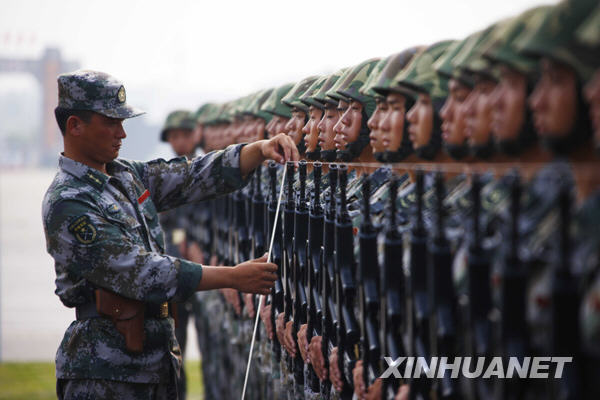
(279, 125)
(592, 96)
(294, 126)
(348, 127)
(182, 141)
(420, 117)
(509, 102)
(392, 123)
(453, 113)
(100, 139)
(554, 100)
(198, 133)
(375, 136)
(259, 129)
(326, 128)
(248, 129)
(310, 130)
(478, 108)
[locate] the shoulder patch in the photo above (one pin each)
(83, 229)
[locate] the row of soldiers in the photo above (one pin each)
(450, 206)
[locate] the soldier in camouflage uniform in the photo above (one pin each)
(101, 226)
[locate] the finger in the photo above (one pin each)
(262, 258)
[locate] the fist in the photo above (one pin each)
(316, 357)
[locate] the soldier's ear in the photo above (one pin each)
(74, 125)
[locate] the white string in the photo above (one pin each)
(261, 297)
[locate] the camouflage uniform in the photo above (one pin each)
(103, 232)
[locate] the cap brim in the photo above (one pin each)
(123, 112)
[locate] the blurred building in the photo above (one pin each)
(45, 70)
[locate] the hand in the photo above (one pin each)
(335, 375)
(232, 297)
(359, 382)
(255, 276)
(249, 303)
(303, 343)
(214, 260)
(374, 392)
(290, 345)
(403, 392)
(265, 316)
(316, 357)
(280, 329)
(280, 148)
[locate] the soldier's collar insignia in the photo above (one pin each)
(96, 179)
(83, 229)
(121, 95)
(112, 209)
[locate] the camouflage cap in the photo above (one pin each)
(179, 119)
(470, 60)
(588, 33)
(241, 105)
(224, 113)
(332, 94)
(94, 91)
(367, 87)
(500, 47)
(292, 98)
(320, 95)
(253, 107)
(444, 65)
(273, 104)
(209, 116)
(307, 96)
(386, 82)
(354, 80)
(420, 75)
(552, 34)
(203, 110)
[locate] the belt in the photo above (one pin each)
(153, 310)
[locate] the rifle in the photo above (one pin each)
(392, 291)
(289, 212)
(513, 302)
(299, 267)
(329, 321)
(441, 292)
(479, 292)
(276, 257)
(421, 309)
(369, 291)
(565, 308)
(315, 240)
(347, 331)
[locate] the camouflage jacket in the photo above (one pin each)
(103, 232)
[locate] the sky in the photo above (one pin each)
(182, 53)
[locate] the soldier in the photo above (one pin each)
(98, 205)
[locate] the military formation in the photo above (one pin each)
(447, 204)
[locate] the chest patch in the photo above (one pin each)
(83, 229)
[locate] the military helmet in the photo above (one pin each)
(551, 35)
(500, 47)
(273, 104)
(320, 96)
(386, 82)
(420, 75)
(292, 98)
(354, 80)
(445, 67)
(307, 96)
(367, 87)
(179, 119)
(253, 106)
(470, 61)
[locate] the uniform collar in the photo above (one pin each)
(81, 171)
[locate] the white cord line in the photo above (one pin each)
(261, 297)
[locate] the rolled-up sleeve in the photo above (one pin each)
(87, 245)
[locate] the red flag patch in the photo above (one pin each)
(144, 196)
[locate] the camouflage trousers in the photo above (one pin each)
(308, 393)
(91, 389)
